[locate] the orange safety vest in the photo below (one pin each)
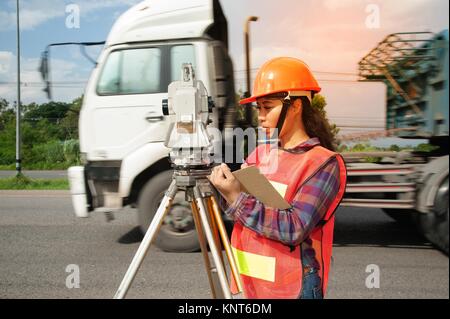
(267, 267)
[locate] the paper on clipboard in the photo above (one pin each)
(259, 186)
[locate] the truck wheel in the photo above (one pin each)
(441, 217)
(443, 232)
(434, 225)
(177, 233)
(403, 216)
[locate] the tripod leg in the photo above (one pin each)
(214, 228)
(204, 248)
(226, 244)
(216, 237)
(146, 241)
(209, 236)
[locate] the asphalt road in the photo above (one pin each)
(40, 238)
(53, 174)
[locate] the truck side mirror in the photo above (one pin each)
(44, 69)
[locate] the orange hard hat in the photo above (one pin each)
(282, 75)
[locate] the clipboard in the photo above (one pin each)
(258, 185)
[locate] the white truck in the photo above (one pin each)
(122, 127)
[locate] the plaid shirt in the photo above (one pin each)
(294, 225)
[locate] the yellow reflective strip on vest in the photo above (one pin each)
(280, 188)
(256, 266)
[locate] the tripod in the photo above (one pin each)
(208, 222)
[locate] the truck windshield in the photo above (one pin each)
(131, 71)
(138, 71)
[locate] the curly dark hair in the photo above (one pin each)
(316, 125)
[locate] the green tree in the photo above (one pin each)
(6, 114)
(394, 148)
(54, 112)
(7, 133)
(363, 147)
(4, 105)
(342, 148)
(49, 134)
(69, 124)
(425, 148)
(319, 102)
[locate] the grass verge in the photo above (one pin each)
(23, 182)
(39, 166)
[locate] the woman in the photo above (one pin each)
(286, 253)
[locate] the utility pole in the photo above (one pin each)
(249, 112)
(18, 158)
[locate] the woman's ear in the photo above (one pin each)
(297, 105)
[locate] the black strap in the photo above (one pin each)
(322, 222)
(282, 118)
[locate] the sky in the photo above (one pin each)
(331, 36)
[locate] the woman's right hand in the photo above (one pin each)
(225, 182)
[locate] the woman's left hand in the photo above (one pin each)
(225, 182)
